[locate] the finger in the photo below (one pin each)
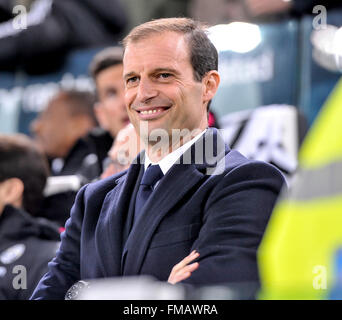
(189, 268)
(184, 273)
(192, 256)
(186, 260)
(181, 277)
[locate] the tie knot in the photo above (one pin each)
(152, 175)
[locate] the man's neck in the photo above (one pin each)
(171, 158)
(158, 151)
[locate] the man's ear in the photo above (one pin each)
(12, 191)
(211, 82)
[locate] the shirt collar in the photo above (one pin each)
(168, 161)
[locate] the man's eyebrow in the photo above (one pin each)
(165, 70)
(129, 74)
(154, 71)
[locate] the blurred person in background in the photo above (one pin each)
(106, 70)
(64, 130)
(88, 131)
(53, 27)
(61, 130)
(24, 240)
(125, 148)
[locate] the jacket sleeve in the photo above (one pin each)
(64, 269)
(235, 218)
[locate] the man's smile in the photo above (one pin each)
(152, 113)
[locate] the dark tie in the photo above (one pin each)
(149, 179)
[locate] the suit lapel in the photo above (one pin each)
(198, 161)
(163, 199)
(129, 221)
(111, 223)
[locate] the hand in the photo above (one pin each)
(183, 269)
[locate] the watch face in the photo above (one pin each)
(75, 290)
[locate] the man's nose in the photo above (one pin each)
(146, 90)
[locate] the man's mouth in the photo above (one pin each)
(152, 112)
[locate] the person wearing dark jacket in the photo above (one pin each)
(87, 156)
(106, 69)
(187, 210)
(84, 161)
(66, 131)
(27, 243)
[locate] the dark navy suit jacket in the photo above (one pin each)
(222, 216)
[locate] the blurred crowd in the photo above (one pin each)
(39, 40)
(81, 136)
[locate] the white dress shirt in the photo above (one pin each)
(169, 160)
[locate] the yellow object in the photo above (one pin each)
(297, 254)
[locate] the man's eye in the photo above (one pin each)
(164, 75)
(132, 79)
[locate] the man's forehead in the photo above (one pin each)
(166, 34)
(167, 46)
(167, 39)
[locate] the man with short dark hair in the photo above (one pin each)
(64, 132)
(24, 240)
(68, 117)
(188, 209)
(106, 70)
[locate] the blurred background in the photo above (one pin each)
(279, 61)
(272, 82)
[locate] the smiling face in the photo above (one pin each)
(160, 85)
